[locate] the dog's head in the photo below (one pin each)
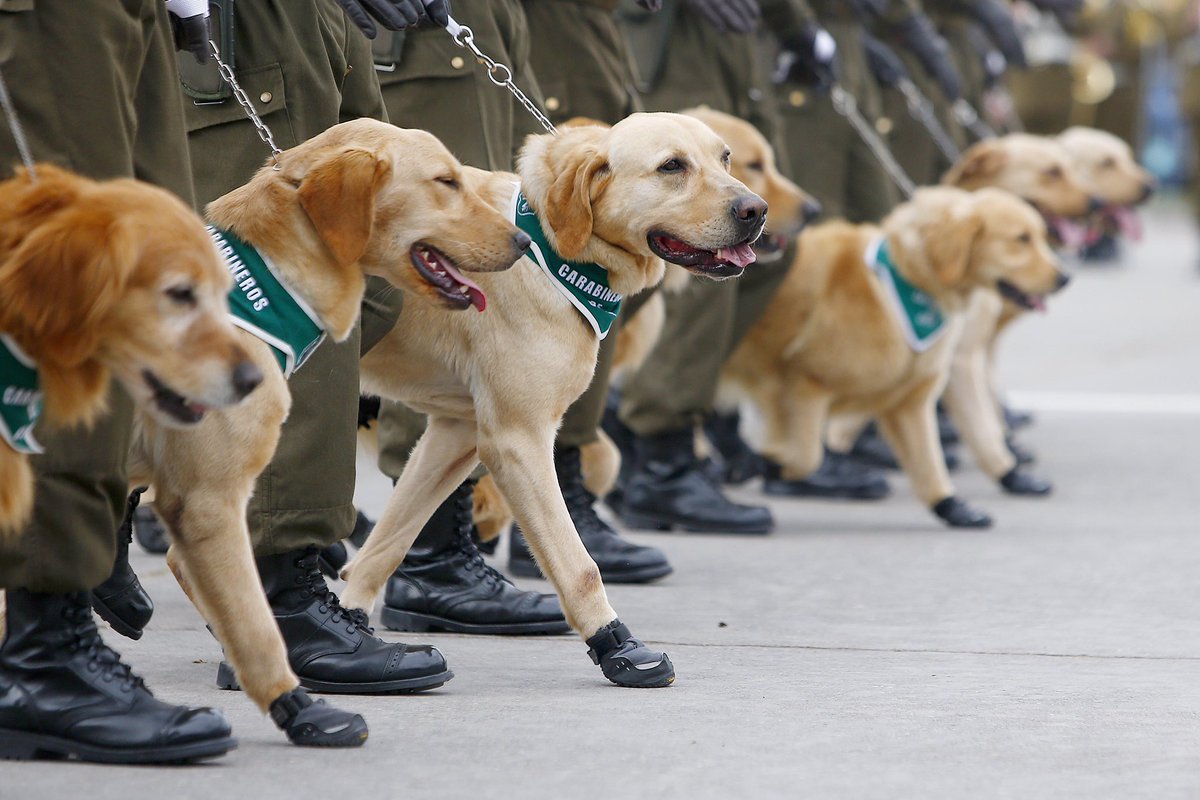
(653, 187)
(1107, 168)
(379, 200)
(954, 241)
(753, 163)
(1037, 169)
(120, 278)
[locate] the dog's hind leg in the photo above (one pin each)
(443, 458)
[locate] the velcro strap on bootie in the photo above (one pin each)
(607, 639)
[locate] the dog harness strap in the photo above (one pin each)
(919, 315)
(263, 305)
(20, 398)
(607, 639)
(585, 285)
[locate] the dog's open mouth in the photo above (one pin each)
(1032, 302)
(173, 404)
(1063, 232)
(458, 291)
(724, 262)
(1117, 219)
(770, 246)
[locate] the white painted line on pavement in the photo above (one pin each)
(1106, 402)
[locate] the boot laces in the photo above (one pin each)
(313, 585)
(581, 503)
(463, 522)
(106, 660)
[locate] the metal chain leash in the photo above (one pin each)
(498, 73)
(264, 132)
(920, 109)
(14, 125)
(845, 104)
(969, 118)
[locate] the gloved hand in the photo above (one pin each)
(189, 24)
(1066, 11)
(395, 15)
(728, 16)
(809, 58)
(997, 22)
(917, 34)
(885, 65)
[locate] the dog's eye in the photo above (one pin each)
(672, 166)
(756, 166)
(1054, 173)
(1025, 238)
(448, 181)
(183, 295)
(1108, 163)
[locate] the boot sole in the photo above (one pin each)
(119, 625)
(25, 746)
(528, 569)
(785, 489)
(653, 522)
(226, 679)
(409, 622)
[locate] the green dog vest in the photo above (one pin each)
(20, 398)
(585, 285)
(919, 315)
(265, 306)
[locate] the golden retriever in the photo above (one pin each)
(111, 279)
(653, 187)
(362, 199)
(831, 341)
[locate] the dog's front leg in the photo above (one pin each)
(443, 458)
(843, 431)
(796, 421)
(911, 429)
(522, 464)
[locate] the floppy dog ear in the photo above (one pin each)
(338, 195)
(949, 246)
(61, 283)
(982, 160)
(580, 181)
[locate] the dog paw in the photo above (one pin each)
(1015, 481)
(627, 661)
(310, 723)
(959, 513)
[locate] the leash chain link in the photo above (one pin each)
(264, 132)
(969, 118)
(845, 104)
(465, 37)
(14, 125)
(921, 110)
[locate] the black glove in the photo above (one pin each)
(1066, 11)
(809, 58)
(885, 65)
(917, 34)
(997, 22)
(395, 15)
(189, 25)
(728, 16)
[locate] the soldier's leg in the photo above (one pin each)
(107, 57)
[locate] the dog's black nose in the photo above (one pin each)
(521, 241)
(246, 378)
(1147, 192)
(1062, 280)
(1095, 204)
(750, 209)
(811, 210)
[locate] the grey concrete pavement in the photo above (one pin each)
(862, 651)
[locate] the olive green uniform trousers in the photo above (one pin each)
(306, 68)
(95, 85)
(706, 320)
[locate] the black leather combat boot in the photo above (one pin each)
(839, 476)
(739, 462)
(121, 601)
(444, 584)
(667, 489)
(332, 649)
(149, 531)
(619, 560)
(66, 694)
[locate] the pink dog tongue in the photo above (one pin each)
(478, 298)
(741, 255)
(1129, 222)
(1072, 234)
